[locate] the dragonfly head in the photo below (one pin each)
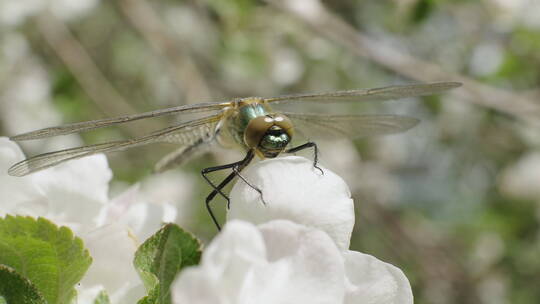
(269, 135)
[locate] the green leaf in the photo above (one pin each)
(422, 10)
(15, 288)
(50, 257)
(152, 298)
(102, 298)
(160, 258)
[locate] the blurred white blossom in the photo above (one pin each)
(75, 194)
(25, 98)
(523, 12)
(494, 289)
(26, 101)
(486, 59)
(15, 12)
(310, 9)
(521, 179)
(488, 250)
(287, 67)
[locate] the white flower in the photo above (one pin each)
(175, 190)
(298, 253)
(283, 262)
(112, 249)
(71, 194)
(293, 189)
(371, 281)
(75, 194)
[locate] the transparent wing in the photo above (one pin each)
(100, 123)
(185, 134)
(320, 126)
(377, 94)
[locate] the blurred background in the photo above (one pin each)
(454, 202)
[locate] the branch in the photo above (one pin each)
(316, 16)
(83, 68)
(183, 70)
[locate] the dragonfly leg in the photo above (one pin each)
(308, 145)
(217, 189)
(237, 167)
(249, 184)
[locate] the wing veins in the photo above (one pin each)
(46, 160)
(375, 94)
(106, 122)
(351, 126)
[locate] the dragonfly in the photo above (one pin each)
(248, 124)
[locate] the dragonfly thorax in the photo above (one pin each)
(268, 135)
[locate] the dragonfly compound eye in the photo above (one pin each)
(273, 142)
(269, 132)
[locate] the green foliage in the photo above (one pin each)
(102, 298)
(15, 288)
(233, 13)
(160, 258)
(69, 99)
(421, 10)
(51, 258)
(524, 44)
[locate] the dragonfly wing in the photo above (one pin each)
(377, 94)
(320, 126)
(184, 134)
(106, 122)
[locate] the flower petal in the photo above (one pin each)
(112, 249)
(19, 194)
(293, 189)
(75, 191)
(277, 262)
(372, 281)
(304, 266)
(224, 266)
